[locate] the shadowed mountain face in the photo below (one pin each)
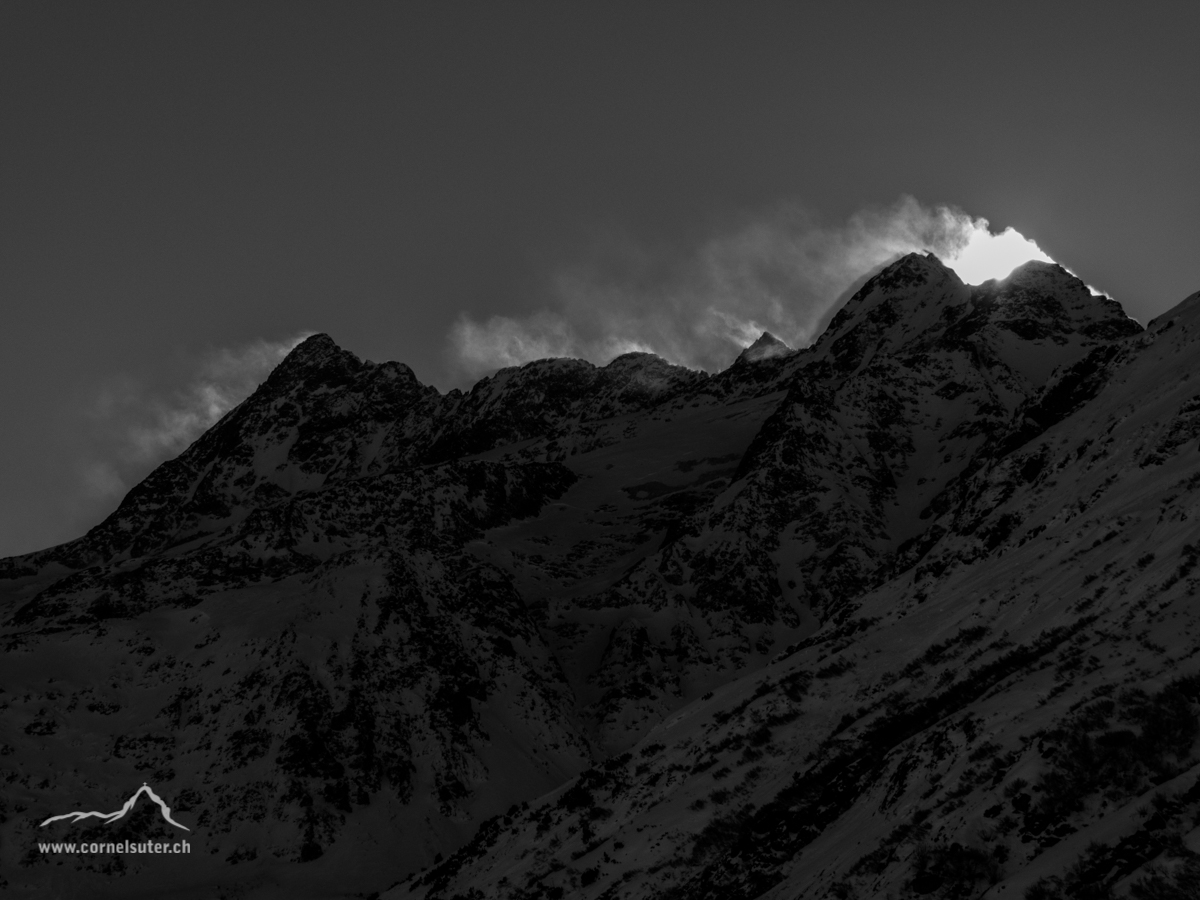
(905, 611)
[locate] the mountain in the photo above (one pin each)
(906, 612)
(766, 347)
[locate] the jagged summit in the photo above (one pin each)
(766, 347)
(1037, 275)
(1045, 300)
(649, 374)
(1037, 269)
(318, 353)
(903, 300)
(314, 344)
(917, 264)
(915, 275)
(312, 350)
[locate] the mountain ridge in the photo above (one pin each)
(595, 579)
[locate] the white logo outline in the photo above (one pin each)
(113, 816)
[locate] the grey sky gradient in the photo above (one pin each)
(187, 188)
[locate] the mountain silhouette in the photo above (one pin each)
(909, 610)
(113, 816)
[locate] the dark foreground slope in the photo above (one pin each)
(798, 627)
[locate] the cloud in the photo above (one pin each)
(780, 271)
(134, 426)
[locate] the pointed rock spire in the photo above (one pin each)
(766, 347)
(316, 354)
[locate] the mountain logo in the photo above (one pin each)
(113, 816)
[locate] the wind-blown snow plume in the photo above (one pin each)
(135, 427)
(780, 272)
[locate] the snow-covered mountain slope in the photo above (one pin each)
(914, 378)
(1014, 713)
(796, 628)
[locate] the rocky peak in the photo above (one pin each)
(315, 356)
(1037, 271)
(647, 372)
(636, 361)
(912, 269)
(905, 299)
(1053, 316)
(1049, 291)
(766, 347)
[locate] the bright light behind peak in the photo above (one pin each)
(987, 255)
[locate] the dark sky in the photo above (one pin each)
(180, 183)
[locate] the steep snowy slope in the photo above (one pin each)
(1014, 714)
(321, 671)
(282, 628)
(915, 377)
